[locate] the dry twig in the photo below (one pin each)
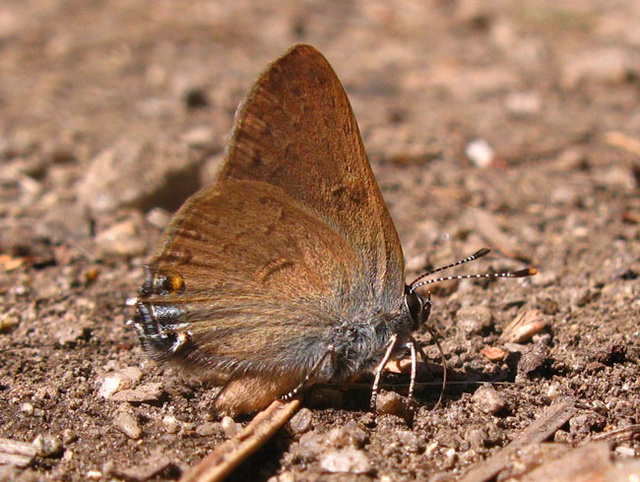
(227, 456)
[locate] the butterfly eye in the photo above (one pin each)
(418, 308)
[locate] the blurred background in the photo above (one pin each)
(118, 104)
(509, 124)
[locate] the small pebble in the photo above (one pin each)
(283, 477)
(409, 441)
(468, 457)
(208, 429)
(620, 178)
(135, 173)
(346, 460)
(27, 409)
(309, 446)
(431, 448)
(127, 424)
(562, 437)
(390, 403)
(549, 306)
(494, 353)
(554, 392)
(202, 136)
(301, 421)
(523, 104)
(151, 392)
(158, 217)
(48, 446)
(533, 358)
(143, 470)
(171, 424)
(69, 436)
(72, 333)
(9, 319)
(625, 452)
(480, 153)
(487, 399)
(230, 427)
(122, 239)
(110, 385)
(605, 66)
(585, 423)
(583, 296)
(476, 438)
(349, 435)
(450, 458)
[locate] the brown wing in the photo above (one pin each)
(296, 131)
(248, 257)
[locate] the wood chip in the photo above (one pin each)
(618, 139)
(9, 263)
(150, 392)
(148, 469)
(524, 326)
(494, 353)
(620, 434)
(13, 452)
(589, 462)
(630, 217)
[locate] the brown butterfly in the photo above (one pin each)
(288, 270)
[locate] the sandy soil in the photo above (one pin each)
(112, 112)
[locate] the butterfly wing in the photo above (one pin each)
(296, 130)
(294, 235)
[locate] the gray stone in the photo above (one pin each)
(489, 400)
(346, 460)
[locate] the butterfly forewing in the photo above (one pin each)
(296, 130)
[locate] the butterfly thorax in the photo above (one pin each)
(360, 343)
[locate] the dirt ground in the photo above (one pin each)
(512, 125)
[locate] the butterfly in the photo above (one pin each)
(287, 271)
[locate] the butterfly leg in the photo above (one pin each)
(442, 359)
(412, 380)
(330, 352)
(378, 377)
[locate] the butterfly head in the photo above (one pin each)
(418, 307)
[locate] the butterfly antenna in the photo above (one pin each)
(477, 255)
(417, 283)
(506, 274)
